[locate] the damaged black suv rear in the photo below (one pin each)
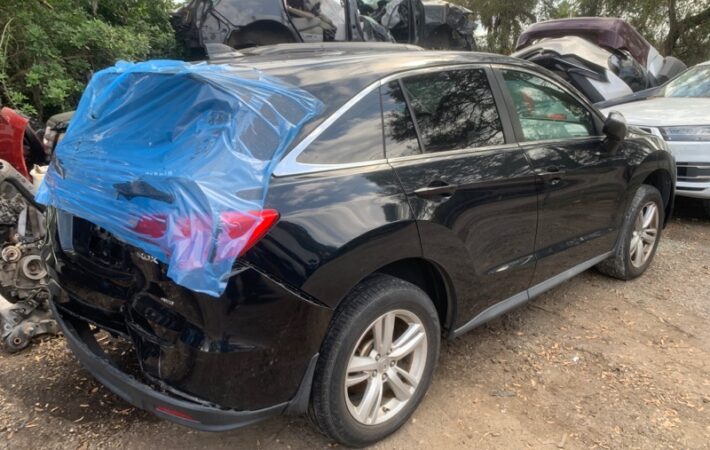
(433, 192)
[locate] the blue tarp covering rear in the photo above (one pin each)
(175, 159)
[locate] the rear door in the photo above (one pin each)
(583, 183)
(470, 186)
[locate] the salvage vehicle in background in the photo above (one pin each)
(604, 58)
(432, 193)
(249, 23)
(679, 112)
(24, 308)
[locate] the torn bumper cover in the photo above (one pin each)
(195, 414)
(175, 159)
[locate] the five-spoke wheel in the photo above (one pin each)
(643, 238)
(386, 367)
(376, 362)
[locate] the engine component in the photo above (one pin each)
(24, 305)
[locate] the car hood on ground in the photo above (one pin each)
(665, 111)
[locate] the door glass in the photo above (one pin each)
(454, 110)
(545, 110)
(354, 137)
(400, 133)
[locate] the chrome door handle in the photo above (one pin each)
(436, 188)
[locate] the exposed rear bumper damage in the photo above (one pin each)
(201, 416)
(211, 364)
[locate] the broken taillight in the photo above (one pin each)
(244, 227)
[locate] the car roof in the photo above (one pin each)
(321, 64)
(336, 74)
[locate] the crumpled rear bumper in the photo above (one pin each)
(201, 416)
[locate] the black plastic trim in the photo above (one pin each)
(199, 416)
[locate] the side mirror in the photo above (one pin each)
(615, 127)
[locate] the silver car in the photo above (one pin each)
(680, 113)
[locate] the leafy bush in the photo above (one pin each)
(50, 48)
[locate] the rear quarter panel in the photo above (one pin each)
(335, 229)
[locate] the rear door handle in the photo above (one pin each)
(437, 189)
(552, 170)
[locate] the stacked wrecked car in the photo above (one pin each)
(240, 24)
(604, 58)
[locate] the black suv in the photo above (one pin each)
(436, 191)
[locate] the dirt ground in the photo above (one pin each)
(595, 363)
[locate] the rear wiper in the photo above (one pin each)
(136, 189)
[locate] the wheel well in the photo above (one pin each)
(429, 278)
(661, 180)
(266, 31)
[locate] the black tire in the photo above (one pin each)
(619, 265)
(374, 297)
(706, 208)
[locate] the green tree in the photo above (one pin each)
(503, 20)
(50, 48)
(676, 27)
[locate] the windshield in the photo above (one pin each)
(694, 82)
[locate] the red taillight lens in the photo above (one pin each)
(153, 226)
(239, 230)
(236, 225)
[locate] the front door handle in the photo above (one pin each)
(437, 189)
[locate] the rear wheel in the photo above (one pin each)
(639, 237)
(376, 362)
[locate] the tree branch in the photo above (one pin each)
(693, 21)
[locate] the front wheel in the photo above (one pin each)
(376, 362)
(639, 238)
(706, 208)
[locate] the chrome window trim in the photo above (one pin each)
(526, 144)
(290, 165)
(453, 153)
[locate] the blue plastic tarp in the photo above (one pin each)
(175, 159)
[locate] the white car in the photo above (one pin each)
(680, 113)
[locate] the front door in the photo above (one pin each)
(472, 192)
(582, 181)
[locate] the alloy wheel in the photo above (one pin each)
(644, 235)
(385, 367)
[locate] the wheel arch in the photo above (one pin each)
(662, 180)
(432, 279)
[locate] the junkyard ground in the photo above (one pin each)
(595, 363)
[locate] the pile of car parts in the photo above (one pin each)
(433, 24)
(604, 58)
(24, 309)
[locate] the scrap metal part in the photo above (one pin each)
(24, 307)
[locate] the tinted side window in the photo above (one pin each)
(454, 110)
(400, 133)
(355, 137)
(545, 110)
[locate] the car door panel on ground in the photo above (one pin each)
(474, 195)
(582, 181)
